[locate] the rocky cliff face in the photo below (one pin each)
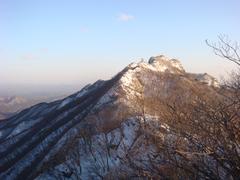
(98, 131)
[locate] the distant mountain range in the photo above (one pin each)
(98, 132)
(10, 105)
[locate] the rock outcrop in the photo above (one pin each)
(162, 63)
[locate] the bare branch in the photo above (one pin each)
(226, 49)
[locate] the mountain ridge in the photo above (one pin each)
(32, 139)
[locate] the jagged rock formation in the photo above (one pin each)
(162, 64)
(97, 131)
(206, 78)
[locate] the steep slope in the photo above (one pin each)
(96, 131)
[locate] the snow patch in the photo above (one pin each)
(65, 102)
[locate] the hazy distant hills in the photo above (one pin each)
(10, 105)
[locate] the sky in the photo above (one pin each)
(75, 42)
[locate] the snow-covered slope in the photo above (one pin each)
(92, 133)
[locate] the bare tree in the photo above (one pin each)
(226, 48)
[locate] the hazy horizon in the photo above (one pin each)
(72, 43)
(119, 89)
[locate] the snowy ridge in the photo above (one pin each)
(92, 133)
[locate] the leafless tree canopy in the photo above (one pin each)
(206, 143)
(226, 48)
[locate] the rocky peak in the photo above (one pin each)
(160, 64)
(208, 79)
(163, 63)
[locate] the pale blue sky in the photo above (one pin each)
(74, 42)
